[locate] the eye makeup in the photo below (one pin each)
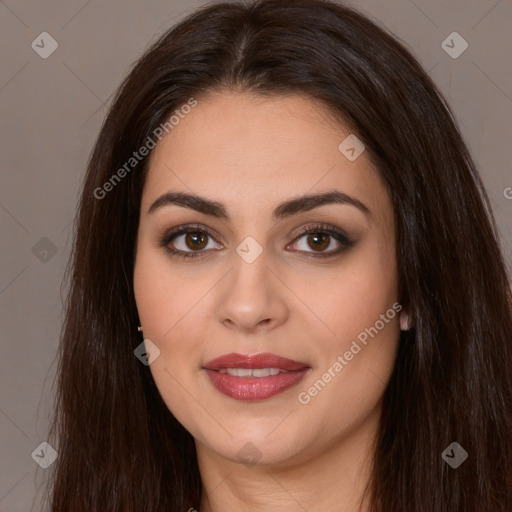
(325, 231)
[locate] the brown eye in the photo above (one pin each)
(189, 242)
(318, 241)
(322, 241)
(196, 240)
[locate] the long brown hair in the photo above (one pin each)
(120, 448)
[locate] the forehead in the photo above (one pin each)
(249, 150)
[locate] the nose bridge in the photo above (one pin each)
(251, 293)
(250, 265)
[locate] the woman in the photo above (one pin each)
(286, 286)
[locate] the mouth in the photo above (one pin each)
(254, 377)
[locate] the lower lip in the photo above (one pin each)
(254, 388)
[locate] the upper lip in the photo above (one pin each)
(263, 360)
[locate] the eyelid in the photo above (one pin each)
(322, 228)
(181, 230)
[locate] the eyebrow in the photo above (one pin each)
(281, 211)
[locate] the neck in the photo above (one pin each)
(335, 477)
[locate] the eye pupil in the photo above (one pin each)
(317, 240)
(197, 238)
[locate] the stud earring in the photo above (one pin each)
(404, 321)
(139, 328)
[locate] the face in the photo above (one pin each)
(303, 291)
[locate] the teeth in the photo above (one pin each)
(247, 372)
(241, 372)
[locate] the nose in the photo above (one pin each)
(252, 297)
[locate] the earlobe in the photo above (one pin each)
(404, 321)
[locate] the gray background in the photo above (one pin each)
(52, 109)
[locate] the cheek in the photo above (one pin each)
(361, 310)
(170, 310)
(163, 298)
(353, 369)
(361, 347)
(352, 296)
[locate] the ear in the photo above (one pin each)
(404, 321)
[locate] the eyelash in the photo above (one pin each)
(323, 229)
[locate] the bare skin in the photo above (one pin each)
(251, 153)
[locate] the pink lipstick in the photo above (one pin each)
(254, 377)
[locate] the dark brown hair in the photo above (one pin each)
(120, 448)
